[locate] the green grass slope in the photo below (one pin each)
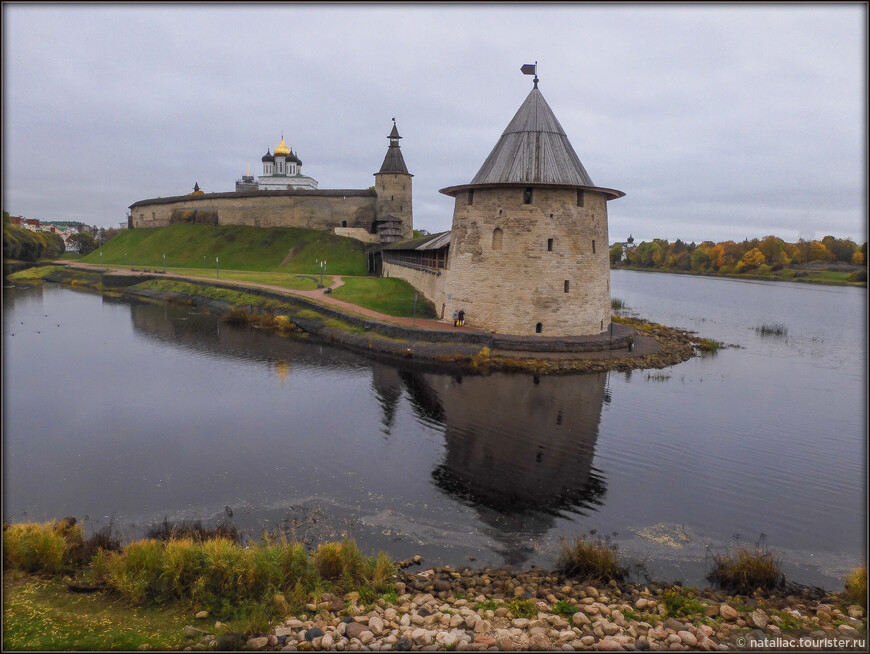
(269, 249)
(394, 297)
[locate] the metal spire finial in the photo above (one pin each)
(531, 69)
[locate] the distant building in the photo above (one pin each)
(246, 183)
(282, 171)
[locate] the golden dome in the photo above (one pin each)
(281, 150)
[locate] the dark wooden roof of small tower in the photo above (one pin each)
(394, 162)
(533, 150)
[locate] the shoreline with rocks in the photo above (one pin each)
(449, 608)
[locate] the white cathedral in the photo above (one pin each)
(282, 171)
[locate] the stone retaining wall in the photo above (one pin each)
(429, 282)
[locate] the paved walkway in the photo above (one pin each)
(319, 295)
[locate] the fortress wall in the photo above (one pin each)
(264, 209)
(430, 284)
(512, 288)
(358, 233)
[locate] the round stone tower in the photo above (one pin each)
(395, 217)
(529, 250)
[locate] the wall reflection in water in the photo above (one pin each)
(519, 448)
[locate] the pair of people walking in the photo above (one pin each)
(458, 318)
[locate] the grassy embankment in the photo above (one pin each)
(147, 591)
(278, 256)
(388, 295)
(264, 249)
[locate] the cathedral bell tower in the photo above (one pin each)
(395, 218)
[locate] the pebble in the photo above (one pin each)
(728, 612)
(757, 619)
(354, 629)
(257, 643)
(848, 630)
(688, 637)
(421, 637)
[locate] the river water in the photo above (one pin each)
(131, 412)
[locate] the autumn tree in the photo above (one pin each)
(818, 252)
(773, 250)
(700, 259)
(751, 260)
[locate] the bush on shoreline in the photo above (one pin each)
(856, 586)
(747, 569)
(590, 559)
(47, 547)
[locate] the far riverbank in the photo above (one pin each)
(822, 275)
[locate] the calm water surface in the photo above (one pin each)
(134, 412)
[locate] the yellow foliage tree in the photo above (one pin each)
(752, 259)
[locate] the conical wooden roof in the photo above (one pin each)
(533, 149)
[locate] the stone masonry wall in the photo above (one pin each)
(429, 283)
(313, 210)
(394, 199)
(358, 233)
(512, 289)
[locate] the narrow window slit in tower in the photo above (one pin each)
(539, 328)
(593, 246)
(567, 283)
(580, 198)
(471, 196)
(549, 245)
(497, 236)
(527, 195)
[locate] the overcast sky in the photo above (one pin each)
(717, 121)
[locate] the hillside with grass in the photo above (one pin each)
(267, 249)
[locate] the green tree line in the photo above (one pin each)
(730, 257)
(26, 245)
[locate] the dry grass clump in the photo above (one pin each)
(591, 559)
(344, 561)
(747, 569)
(41, 547)
(194, 530)
(856, 586)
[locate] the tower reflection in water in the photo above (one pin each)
(519, 448)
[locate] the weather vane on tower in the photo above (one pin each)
(531, 69)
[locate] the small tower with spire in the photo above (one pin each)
(393, 186)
